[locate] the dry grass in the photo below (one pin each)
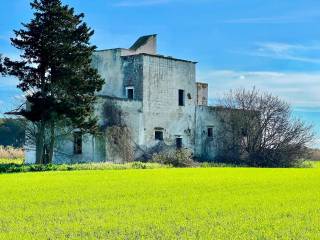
(11, 153)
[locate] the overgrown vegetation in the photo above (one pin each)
(176, 158)
(118, 135)
(16, 167)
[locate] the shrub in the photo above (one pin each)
(176, 158)
(220, 165)
(14, 168)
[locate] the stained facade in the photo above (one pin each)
(159, 100)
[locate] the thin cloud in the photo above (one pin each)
(265, 20)
(299, 89)
(290, 18)
(284, 51)
(285, 47)
(138, 3)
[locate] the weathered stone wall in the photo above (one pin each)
(202, 94)
(132, 68)
(109, 65)
(150, 47)
(156, 81)
(206, 147)
(162, 78)
(130, 115)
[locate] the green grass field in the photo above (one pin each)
(200, 203)
(13, 161)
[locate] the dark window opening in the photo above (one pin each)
(244, 132)
(210, 132)
(179, 143)
(158, 135)
(181, 97)
(77, 143)
(130, 93)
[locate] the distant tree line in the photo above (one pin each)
(12, 132)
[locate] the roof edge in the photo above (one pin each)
(160, 56)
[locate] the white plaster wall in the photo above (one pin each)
(206, 148)
(109, 65)
(30, 156)
(131, 115)
(162, 78)
(91, 151)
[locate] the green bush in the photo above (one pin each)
(216, 164)
(14, 168)
(175, 158)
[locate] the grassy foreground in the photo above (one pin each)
(201, 203)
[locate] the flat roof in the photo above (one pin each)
(109, 49)
(160, 56)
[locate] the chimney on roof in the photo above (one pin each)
(145, 44)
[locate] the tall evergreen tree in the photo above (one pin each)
(55, 72)
(1, 66)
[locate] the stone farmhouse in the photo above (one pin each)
(159, 101)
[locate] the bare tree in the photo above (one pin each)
(258, 129)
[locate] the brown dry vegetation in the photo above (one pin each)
(11, 153)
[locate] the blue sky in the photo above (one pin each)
(272, 45)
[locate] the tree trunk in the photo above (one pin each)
(40, 143)
(52, 142)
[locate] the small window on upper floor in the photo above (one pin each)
(244, 132)
(210, 132)
(130, 93)
(181, 97)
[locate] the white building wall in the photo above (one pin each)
(207, 117)
(156, 81)
(109, 65)
(162, 78)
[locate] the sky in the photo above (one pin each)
(271, 45)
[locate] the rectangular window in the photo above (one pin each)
(158, 135)
(210, 132)
(244, 132)
(181, 97)
(179, 143)
(77, 143)
(130, 93)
